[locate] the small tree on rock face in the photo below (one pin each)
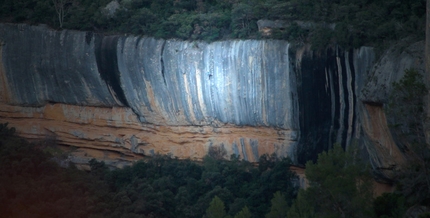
(217, 152)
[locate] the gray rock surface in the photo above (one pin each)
(164, 82)
(43, 66)
(386, 146)
(315, 99)
(391, 68)
(194, 83)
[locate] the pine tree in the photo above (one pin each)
(216, 209)
(244, 213)
(340, 186)
(279, 206)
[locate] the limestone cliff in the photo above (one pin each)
(387, 153)
(119, 98)
(136, 95)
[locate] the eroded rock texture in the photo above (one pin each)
(119, 98)
(175, 97)
(328, 101)
(116, 135)
(387, 149)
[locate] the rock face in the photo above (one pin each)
(119, 98)
(41, 66)
(387, 153)
(175, 97)
(328, 101)
(116, 135)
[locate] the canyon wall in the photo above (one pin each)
(136, 95)
(388, 150)
(120, 98)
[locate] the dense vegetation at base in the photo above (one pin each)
(340, 184)
(356, 22)
(33, 185)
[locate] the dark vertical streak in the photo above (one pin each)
(162, 62)
(107, 63)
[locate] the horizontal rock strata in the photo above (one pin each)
(120, 98)
(117, 132)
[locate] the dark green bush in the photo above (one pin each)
(358, 23)
(33, 185)
(390, 205)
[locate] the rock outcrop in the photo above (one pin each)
(138, 95)
(387, 153)
(119, 98)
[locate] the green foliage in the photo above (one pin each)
(414, 178)
(321, 38)
(211, 26)
(6, 131)
(98, 169)
(411, 88)
(294, 33)
(406, 106)
(370, 22)
(390, 205)
(343, 36)
(141, 22)
(279, 206)
(244, 213)
(340, 186)
(302, 207)
(216, 209)
(31, 185)
(407, 117)
(424, 215)
(243, 20)
(216, 153)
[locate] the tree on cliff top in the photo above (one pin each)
(340, 186)
(62, 7)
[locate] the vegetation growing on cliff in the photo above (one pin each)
(350, 23)
(408, 119)
(406, 108)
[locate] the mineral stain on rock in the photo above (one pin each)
(134, 96)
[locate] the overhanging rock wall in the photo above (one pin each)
(118, 97)
(180, 97)
(245, 83)
(41, 66)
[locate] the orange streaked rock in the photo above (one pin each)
(96, 130)
(383, 149)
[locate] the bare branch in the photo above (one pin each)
(62, 7)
